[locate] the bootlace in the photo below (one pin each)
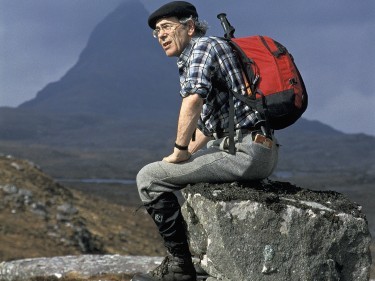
(162, 269)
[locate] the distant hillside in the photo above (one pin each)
(314, 150)
(41, 218)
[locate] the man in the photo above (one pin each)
(208, 71)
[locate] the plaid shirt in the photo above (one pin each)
(208, 67)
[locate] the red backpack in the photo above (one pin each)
(275, 86)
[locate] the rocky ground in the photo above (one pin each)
(41, 218)
(78, 268)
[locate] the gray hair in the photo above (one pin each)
(200, 26)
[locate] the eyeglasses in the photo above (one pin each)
(168, 28)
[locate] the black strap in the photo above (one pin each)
(258, 107)
(245, 99)
(232, 149)
(280, 48)
(180, 147)
(245, 63)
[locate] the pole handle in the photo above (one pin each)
(228, 29)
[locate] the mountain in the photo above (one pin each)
(122, 89)
(315, 150)
(116, 109)
(117, 72)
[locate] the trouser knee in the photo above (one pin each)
(146, 177)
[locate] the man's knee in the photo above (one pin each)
(146, 177)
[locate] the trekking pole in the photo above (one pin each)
(228, 29)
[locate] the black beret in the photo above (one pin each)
(177, 9)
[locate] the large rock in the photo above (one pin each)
(85, 267)
(276, 231)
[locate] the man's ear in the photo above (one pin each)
(191, 28)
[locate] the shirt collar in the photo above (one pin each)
(182, 59)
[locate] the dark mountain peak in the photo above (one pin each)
(124, 28)
(116, 72)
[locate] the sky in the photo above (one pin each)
(332, 42)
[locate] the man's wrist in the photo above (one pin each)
(180, 147)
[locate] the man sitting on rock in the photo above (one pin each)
(208, 70)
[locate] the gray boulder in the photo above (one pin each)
(75, 267)
(276, 231)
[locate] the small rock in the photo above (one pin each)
(33, 165)
(39, 209)
(25, 192)
(67, 209)
(62, 217)
(17, 166)
(86, 241)
(53, 234)
(26, 195)
(9, 188)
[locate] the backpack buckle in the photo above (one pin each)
(293, 81)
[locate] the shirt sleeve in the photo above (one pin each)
(199, 70)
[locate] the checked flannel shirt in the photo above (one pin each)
(208, 67)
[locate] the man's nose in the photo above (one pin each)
(162, 34)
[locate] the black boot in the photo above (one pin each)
(171, 269)
(178, 265)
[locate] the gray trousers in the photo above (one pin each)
(252, 161)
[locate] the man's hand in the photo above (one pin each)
(178, 156)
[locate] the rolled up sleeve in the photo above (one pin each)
(198, 71)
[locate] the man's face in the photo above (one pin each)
(173, 36)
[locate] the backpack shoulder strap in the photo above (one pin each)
(247, 70)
